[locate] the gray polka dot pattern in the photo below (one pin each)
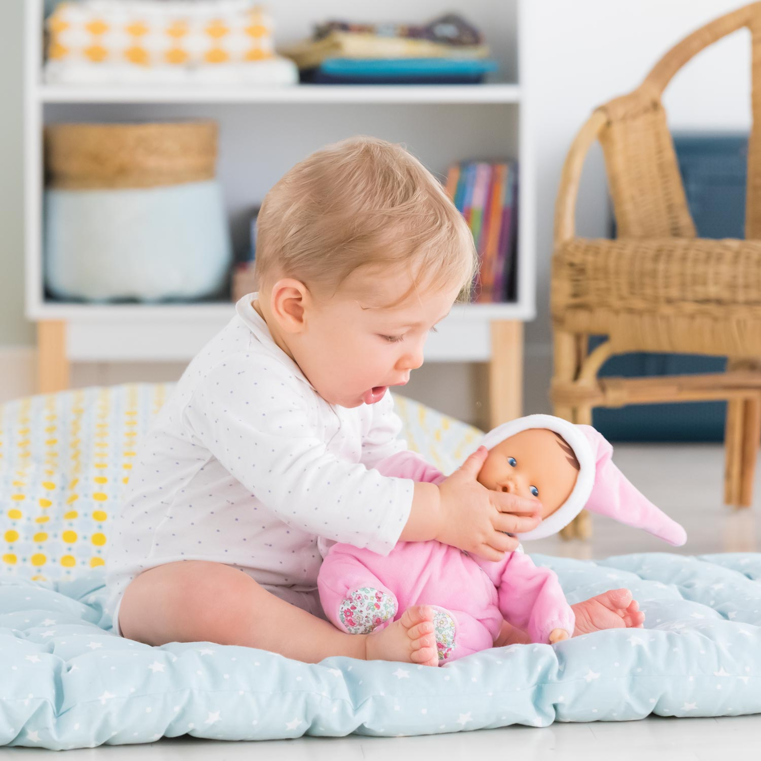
(247, 465)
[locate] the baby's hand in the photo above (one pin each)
(557, 635)
(479, 520)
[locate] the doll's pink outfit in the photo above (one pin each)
(362, 591)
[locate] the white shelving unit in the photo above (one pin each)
(264, 131)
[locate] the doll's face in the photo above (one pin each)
(533, 463)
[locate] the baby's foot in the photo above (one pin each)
(411, 639)
(614, 609)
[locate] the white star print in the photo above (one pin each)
(717, 586)
(731, 614)
(401, 674)
(206, 651)
(26, 700)
(635, 641)
(33, 736)
(745, 632)
(744, 678)
(720, 672)
(212, 717)
(591, 675)
(689, 706)
(48, 622)
(33, 658)
(464, 718)
(105, 696)
(156, 666)
(335, 672)
(47, 634)
(94, 645)
(293, 724)
(74, 668)
(698, 615)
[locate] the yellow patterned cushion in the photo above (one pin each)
(65, 459)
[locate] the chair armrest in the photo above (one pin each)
(565, 208)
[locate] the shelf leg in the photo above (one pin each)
(506, 371)
(53, 370)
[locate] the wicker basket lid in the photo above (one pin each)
(139, 155)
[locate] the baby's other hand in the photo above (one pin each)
(557, 635)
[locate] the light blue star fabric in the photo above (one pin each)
(67, 682)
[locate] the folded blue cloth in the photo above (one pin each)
(400, 71)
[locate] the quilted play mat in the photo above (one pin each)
(67, 682)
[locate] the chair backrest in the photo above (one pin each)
(643, 174)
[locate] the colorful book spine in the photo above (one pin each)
(484, 233)
(486, 195)
(453, 177)
(506, 237)
(467, 201)
(480, 191)
(491, 249)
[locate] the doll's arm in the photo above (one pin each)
(408, 464)
(383, 450)
(532, 599)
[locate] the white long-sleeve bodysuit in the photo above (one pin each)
(247, 465)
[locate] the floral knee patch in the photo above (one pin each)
(444, 629)
(366, 608)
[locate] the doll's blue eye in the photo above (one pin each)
(513, 462)
(534, 491)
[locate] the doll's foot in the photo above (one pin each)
(614, 609)
(411, 639)
(365, 609)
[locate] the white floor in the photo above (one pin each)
(687, 482)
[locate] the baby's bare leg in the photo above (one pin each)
(203, 601)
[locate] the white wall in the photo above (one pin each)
(582, 53)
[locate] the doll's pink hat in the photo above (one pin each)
(600, 486)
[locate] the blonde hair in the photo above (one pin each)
(359, 202)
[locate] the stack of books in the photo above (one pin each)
(446, 50)
(487, 196)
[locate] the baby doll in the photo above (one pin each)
(568, 467)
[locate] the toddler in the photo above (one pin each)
(270, 440)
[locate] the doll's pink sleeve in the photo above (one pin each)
(532, 599)
(408, 464)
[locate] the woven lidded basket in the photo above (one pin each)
(87, 156)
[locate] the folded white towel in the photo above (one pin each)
(164, 42)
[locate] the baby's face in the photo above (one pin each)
(352, 343)
(533, 463)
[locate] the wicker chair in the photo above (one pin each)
(658, 288)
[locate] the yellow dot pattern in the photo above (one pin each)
(172, 38)
(63, 460)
